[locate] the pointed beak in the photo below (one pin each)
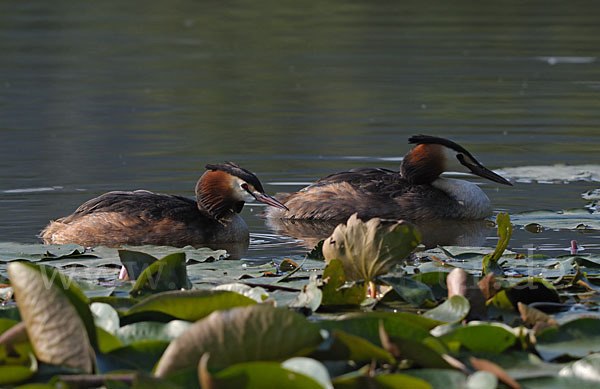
(484, 172)
(265, 198)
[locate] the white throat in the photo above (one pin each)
(473, 203)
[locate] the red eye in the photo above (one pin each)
(245, 186)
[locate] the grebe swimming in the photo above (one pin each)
(416, 192)
(142, 217)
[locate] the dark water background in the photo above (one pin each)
(99, 96)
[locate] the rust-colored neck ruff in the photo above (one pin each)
(214, 195)
(423, 164)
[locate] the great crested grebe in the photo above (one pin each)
(416, 193)
(142, 217)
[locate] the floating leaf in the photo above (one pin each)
(369, 249)
(256, 293)
(452, 310)
(490, 261)
(141, 355)
(343, 346)
(168, 273)
(577, 338)
(479, 337)
(366, 325)
(526, 291)
(255, 333)
(55, 326)
(334, 290)
(150, 330)
(380, 381)
(587, 368)
(188, 305)
(410, 290)
(440, 378)
(259, 375)
(135, 262)
(571, 219)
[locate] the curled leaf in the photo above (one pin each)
(55, 328)
(369, 249)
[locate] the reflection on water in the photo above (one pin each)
(438, 233)
(92, 102)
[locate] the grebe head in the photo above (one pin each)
(225, 187)
(433, 155)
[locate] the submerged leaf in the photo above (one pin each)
(255, 333)
(54, 325)
(369, 249)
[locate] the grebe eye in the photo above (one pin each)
(244, 186)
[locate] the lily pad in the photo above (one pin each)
(577, 338)
(343, 346)
(189, 305)
(410, 290)
(571, 219)
(479, 337)
(335, 291)
(254, 333)
(369, 249)
(397, 325)
(258, 375)
(453, 310)
(380, 381)
(168, 273)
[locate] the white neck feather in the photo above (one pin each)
(473, 203)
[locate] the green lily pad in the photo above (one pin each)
(577, 338)
(254, 333)
(334, 290)
(150, 330)
(410, 290)
(260, 375)
(311, 368)
(453, 310)
(397, 325)
(440, 378)
(168, 273)
(188, 305)
(135, 262)
(343, 346)
(479, 337)
(59, 323)
(141, 355)
(380, 381)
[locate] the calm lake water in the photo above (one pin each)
(100, 96)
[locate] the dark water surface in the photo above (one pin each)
(99, 96)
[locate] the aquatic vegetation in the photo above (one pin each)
(448, 317)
